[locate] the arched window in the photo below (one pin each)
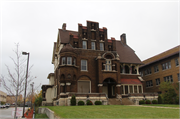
(62, 77)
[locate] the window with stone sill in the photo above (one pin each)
(84, 43)
(168, 78)
(149, 83)
(63, 60)
(157, 81)
(147, 71)
(102, 46)
(108, 66)
(93, 45)
(69, 60)
(177, 62)
(156, 69)
(166, 65)
(83, 65)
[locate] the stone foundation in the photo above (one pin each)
(65, 99)
(143, 96)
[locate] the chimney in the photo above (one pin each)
(64, 26)
(123, 38)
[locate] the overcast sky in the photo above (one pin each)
(151, 27)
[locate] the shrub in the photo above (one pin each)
(89, 102)
(2, 102)
(141, 102)
(148, 102)
(73, 100)
(80, 103)
(160, 100)
(177, 100)
(154, 102)
(98, 103)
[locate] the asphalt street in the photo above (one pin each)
(7, 113)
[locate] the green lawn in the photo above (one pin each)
(41, 116)
(113, 111)
(162, 105)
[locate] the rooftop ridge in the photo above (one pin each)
(153, 58)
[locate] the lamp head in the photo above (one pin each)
(25, 53)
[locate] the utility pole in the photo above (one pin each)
(25, 53)
(32, 95)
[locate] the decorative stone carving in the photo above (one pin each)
(118, 85)
(100, 85)
(68, 84)
(62, 84)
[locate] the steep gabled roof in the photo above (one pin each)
(64, 35)
(126, 54)
(54, 50)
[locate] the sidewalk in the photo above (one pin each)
(156, 106)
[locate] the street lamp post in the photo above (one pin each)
(32, 95)
(25, 53)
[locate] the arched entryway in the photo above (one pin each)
(109, 87)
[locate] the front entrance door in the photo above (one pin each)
(109, 87)
(111, 91)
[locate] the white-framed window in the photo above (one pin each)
(177, 62)
(168, 78)
(63, 60)
(93, 45)
(149, 83)
(157, 81)
(166, 65)
(83, 65)
(69, 60)
(84, 43)
(156, 69)
(102, 46)
(108, 66)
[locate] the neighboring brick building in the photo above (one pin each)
(3, 96)
(159, 68)
(11, 99)
(88, 64)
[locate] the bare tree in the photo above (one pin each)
(13, 83)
